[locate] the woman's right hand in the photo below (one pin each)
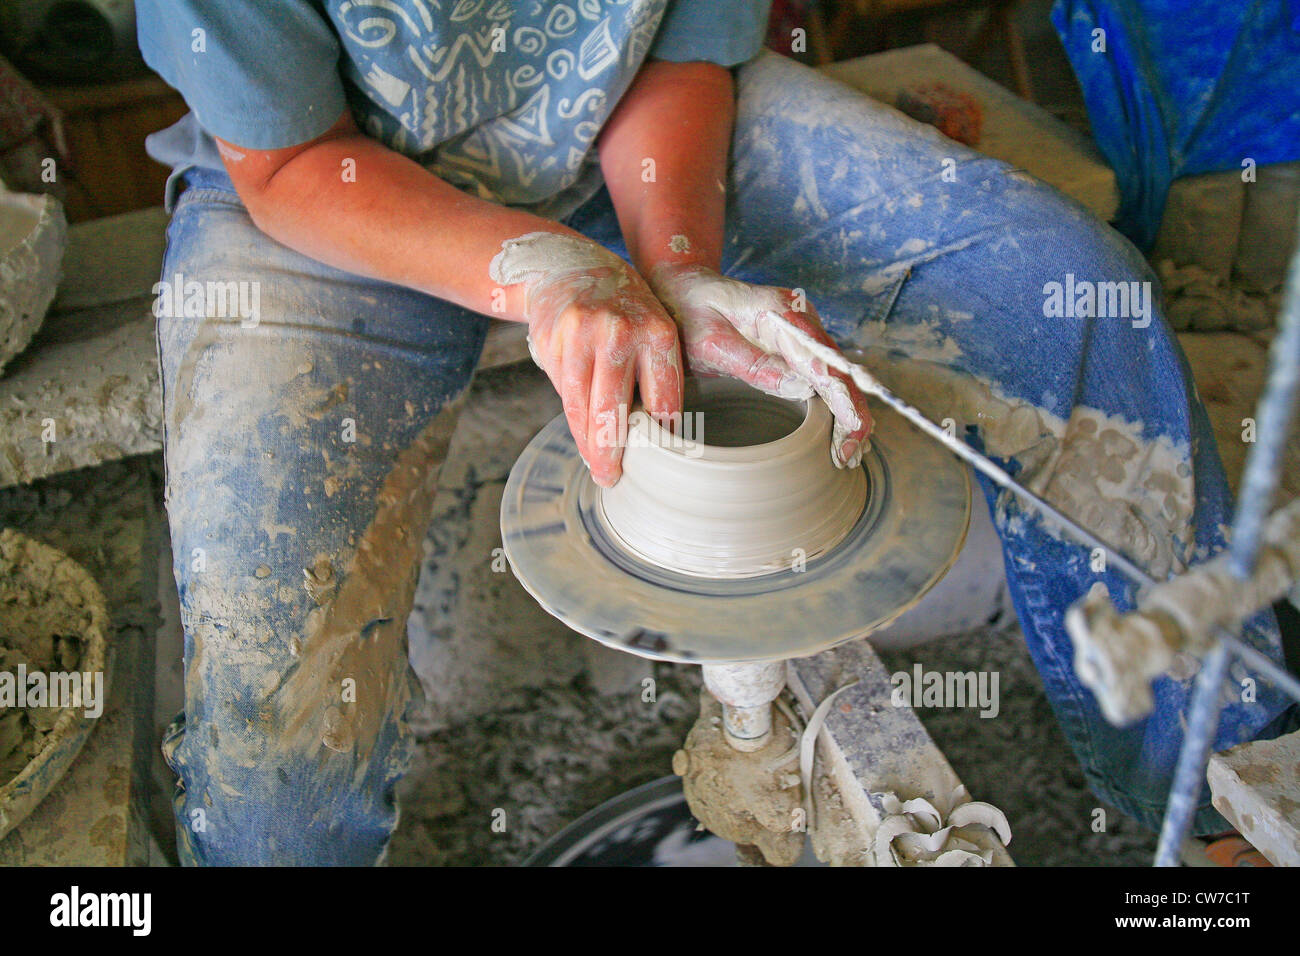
(598, 332)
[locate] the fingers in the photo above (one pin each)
(659, 371)
(752, 333)
(852, 418)
(722, 350)
(846, 401)
(612, 380)
(573, 368)
(595, 356)
(848, 444)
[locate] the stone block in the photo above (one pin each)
(1014, 130)
(1256, 786)
(1201, 223)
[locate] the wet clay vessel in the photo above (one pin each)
(744, 486)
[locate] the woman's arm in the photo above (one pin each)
(593, 324)
(680, 116)
(349, 201)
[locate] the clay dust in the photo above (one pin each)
(40, 628)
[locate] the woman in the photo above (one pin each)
(651, 195)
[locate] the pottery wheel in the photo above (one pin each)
(561, 549)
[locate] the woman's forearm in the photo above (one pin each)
(663, 153)
(348, 201)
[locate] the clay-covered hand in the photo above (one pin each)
(598, 332)
(757, 334)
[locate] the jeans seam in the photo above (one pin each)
(206, 194)
(158, 354)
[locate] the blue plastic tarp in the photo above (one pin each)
(1178, 87)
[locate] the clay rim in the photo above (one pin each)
(815, 416)
(23, 792)
(702, 483)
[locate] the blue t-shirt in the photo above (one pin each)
(502, 99)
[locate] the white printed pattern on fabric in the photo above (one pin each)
(502, 99)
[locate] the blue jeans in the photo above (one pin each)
(302, 450)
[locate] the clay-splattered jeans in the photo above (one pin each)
(303, 444)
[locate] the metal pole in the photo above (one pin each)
(1259, 484)
(1273, 422)
(1189, 776)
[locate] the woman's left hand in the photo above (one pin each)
(734, 328)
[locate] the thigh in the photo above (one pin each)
(304, 429)
(947, 270)
(915, 242)
(930, 258)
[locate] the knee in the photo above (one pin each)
(245, 800)
(1062, 233)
